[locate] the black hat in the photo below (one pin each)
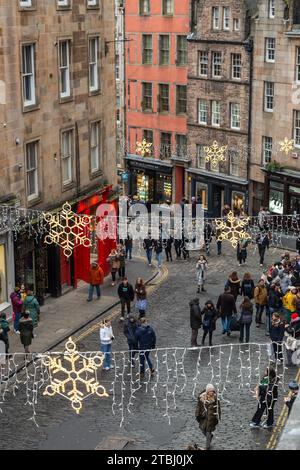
(293, 385)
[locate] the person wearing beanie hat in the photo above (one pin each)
(208, 412)
(289, 401)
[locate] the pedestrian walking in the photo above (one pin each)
(201, 269)
(261, 301)
(289, 401)
(158, 248)
(245, 320)
(247, 286)
(106, 338)
(96, 278)
(4, 329)
(195, 321)
(184, 246)
(208, 412)
(242, 251)
(267, 395)
(263, 219)
(26, 331)
(263, 242)
(141, 297)
(274, 304)
(277, 331)
(219, 242)
(32, 306)
(234, 283)
(114, 262)
(148, 247)
(177, 246)
(292, 338)
(226, 307)
(208, 232)
(17, 308)
(209, 318)
(130, 329)
(126, 296)
(167, 243)
(128, 247)
(146, 338)
(121, 253)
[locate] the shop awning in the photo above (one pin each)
(218, 176)
(148, 160)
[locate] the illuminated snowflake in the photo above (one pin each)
(143, 148)
(287, 145)
(67, 229)
(215, 154)
(77, 378)
(232, 229)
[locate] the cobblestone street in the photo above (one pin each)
(179, 373)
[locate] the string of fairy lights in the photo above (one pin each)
(180, 375)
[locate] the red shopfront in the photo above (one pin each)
(77, 268)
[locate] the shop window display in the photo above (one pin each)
(202, 194)
(276, 201)
(238, 202)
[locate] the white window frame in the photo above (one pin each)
(235, 116)
(29, 75)
(202, 62)
(66, 68)
(201, 156)
(271, 9)
(270, 51)
(69, 157)
(234, 163)
(215, 63)
(267, 147)
(33, 170)
(202, 112)
(216, 18)
(63, 3)
(168, 7)
(92, 3)
(226, 18)
(298, 64)
(297, 128)
(236, 24)
(268, 97)
(25, 3)
(94, 64)
(236, 66)
(215, 113)
(95, 146)
(143, 10)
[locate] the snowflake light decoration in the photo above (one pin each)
(232, 229)
(67, 229)
(215, 154)
(287, 145)
(72, 380)
(143, 148)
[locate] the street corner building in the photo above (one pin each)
(57, 128)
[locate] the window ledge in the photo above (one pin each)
(147, 111)
(31, 107)
(95, 92)
(96, 174)
(34, 201)
(68, 186)
(66, 100)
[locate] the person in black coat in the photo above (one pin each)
(226, 307)
(209, 318)
(277, 330)
(263, 242)
(128, 247)
(130, 328)
(126, 296)
(167, 243)
(148, 247)
(195, 320)
(267, 395)
(247, 287)
(208, 232)
(177, 246)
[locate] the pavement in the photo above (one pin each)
(61, 316)
(158, 413)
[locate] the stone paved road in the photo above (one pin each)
(178, 372)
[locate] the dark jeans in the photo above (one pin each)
(122, 272)
(194, 338)
(168, 254)
(209, 436)
(210, 337)
(178, 251)
(144, 355)
(149, 256)
(186, 254)
(91, 291)
(113, 276)
(226, 323)
(142, 314)
(259, 312)
(245, 327)
(132, 350)
(207, 248)
(242, 256)
(261, 250)
(17, 321)
(123, 304)
(129, 252)
(260, 411)
(219, 247)
(277, 348)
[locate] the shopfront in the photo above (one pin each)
(150, 179)
(217, 191)
(6, 272)
(283, 192)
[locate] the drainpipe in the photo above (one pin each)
(249, 48)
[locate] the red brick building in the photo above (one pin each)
(156, 78)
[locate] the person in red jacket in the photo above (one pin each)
(96, 277)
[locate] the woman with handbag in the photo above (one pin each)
(245, 319)
(292, 334)
(208, 412)
(209, 318)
